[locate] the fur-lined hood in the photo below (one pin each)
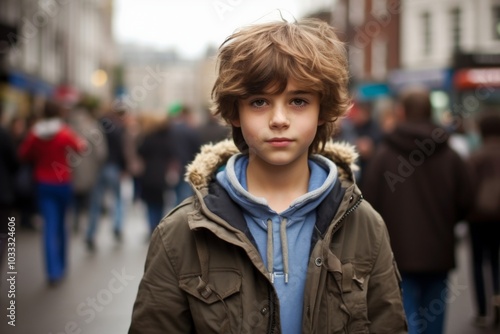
(212, 156)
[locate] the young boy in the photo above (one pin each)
(277, 237)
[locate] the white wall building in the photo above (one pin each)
(431, 30)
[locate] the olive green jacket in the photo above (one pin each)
(203, 273)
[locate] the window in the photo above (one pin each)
(427, 37)
(456, 28)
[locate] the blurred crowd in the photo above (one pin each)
(63, 171)
(424, 177)
(435, 181)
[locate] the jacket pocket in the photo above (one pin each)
(348, 300)
(215, 305)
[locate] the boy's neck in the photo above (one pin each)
(279, 185)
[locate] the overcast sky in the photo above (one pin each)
(190, 26)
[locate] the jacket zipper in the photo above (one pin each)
(335, 228)
(337, 225)
(347, 213)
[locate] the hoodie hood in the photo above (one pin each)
(204, 167)
(408, 137)
(47, 129)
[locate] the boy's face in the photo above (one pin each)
(279, 128)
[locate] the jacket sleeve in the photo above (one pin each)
(160, 306)
(385, 306)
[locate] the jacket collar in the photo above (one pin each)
(202, 171)
(212, 156)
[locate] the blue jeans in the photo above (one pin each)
(182, 191)
(155, 214)
(424, 299)
(109, 178)
(53, 202)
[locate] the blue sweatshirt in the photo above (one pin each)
(283, 239)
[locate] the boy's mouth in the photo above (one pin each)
(279, 142)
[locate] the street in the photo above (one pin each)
(98, 293)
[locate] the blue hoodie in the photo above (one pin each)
(282, 238)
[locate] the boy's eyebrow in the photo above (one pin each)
(291, 92)
(299, 91)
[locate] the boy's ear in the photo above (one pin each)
(236, 123)
(321, 122)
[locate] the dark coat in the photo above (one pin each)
(485, 167)
(421, 188)
(157, 151)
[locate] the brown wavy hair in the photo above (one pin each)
(263, 57)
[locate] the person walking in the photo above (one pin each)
(85, 172)
(421, 188)
(277, 237)
(156, 152)
(484, 220)
(109, 177)
(50, 146)
(188, 143)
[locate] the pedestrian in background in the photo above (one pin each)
(157, 152)
(82, 119)
(213, 130)
(421, 188)
(361, 128)
(277, 237)
(484, 220)
(25, 204)
(135, 166)
(52, 146)
(109, 177)
(188, 143)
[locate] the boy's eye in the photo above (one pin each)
(299, 102)
(258, 103)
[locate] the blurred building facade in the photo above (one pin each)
(54, 47)
(450, 46)
(371, 30)
(155, 79)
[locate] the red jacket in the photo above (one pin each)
(54, 150)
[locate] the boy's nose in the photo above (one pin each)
(279, 117)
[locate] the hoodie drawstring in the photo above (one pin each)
(270, 255)
(284, 247)
(270, 247)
